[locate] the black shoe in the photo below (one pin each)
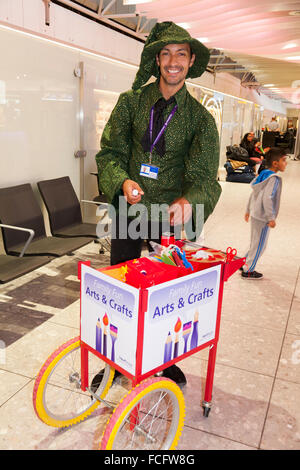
(175, 374)
(117, 374)
(252, 275)
(98, 379)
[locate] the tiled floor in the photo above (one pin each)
(256, 397)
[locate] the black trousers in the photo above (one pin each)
(125, 245)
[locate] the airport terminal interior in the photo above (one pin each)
(65, 64)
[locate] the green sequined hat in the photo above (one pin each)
(161, 35)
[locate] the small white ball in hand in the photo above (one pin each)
(135, 192)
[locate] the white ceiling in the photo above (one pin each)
(261, 35)
(258, 36)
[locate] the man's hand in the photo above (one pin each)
(180, 211)
(246, 217)
(132, 191)
(272, 223)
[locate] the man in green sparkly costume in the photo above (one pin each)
(180, 170)
(160, 146)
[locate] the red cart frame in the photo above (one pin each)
(227, 267)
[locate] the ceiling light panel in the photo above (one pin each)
(135, 2)
(290, 45)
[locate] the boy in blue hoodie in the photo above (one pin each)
(263, 207)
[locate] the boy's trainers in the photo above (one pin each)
(252, 275)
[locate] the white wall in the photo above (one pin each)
(70, 27)
(39, 110)
(39, 94)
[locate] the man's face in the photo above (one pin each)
(174, 61)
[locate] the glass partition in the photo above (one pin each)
(257, 120)
(211, 100)
(103, 83)
(234, 117)
(38, 111)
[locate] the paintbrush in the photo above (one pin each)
(194, 338)
(113, 334)
(186, 331)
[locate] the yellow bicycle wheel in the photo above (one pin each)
(150, 417)
(57, 396)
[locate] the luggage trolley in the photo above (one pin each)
(138, 329)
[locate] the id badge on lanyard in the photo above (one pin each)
(147, 169)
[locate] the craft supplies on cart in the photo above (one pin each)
(139, 318)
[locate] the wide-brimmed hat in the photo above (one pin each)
(161, 35)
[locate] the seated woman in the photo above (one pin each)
(250, 144)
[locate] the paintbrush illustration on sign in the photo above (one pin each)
(186, 331)
(194, 338)
(113, 334)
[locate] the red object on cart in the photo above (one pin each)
(143, 272)
(167, 239)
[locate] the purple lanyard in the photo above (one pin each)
(162, 129)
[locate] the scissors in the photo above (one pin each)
(230, 253)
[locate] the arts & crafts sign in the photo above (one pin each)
(181, 315)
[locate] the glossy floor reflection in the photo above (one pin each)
(256, 397)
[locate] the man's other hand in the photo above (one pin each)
(180, 211)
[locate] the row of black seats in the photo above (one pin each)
(23, 230)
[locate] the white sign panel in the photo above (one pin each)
(181, 315)
(109, 317)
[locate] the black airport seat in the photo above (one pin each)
(64, 209)
(19, 207)
(100, 198)
(269, 139)
(12, 267)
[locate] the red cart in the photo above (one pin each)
(139, 328)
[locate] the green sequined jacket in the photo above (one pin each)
(189, 166)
